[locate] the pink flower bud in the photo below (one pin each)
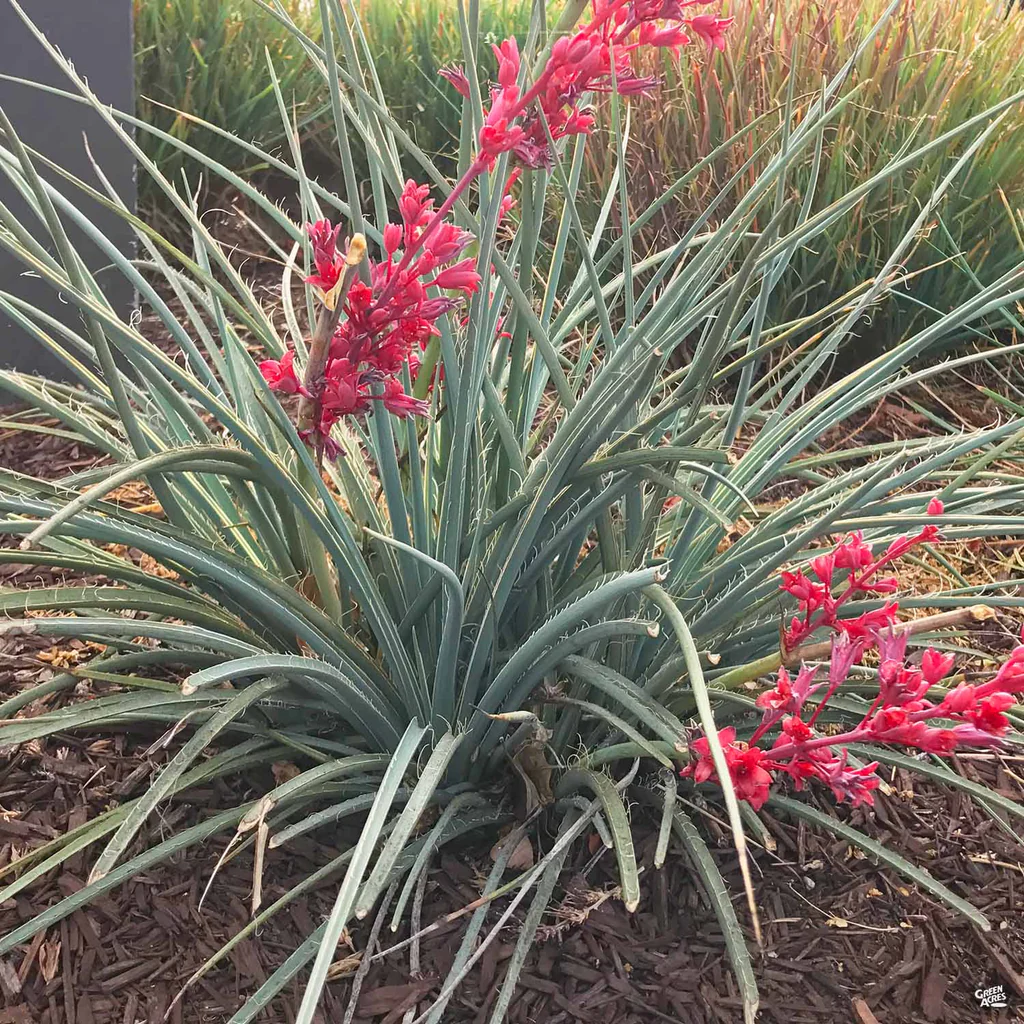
(935, 666)
(461, 276)
(711, 29)
(392, 238)
(508, 61)
(280, 375)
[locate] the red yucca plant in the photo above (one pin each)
(471, 495)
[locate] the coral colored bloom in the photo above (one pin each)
(865, 626)
(280, 375)
(388, 318)
(598, 58)
(787, 698)
(853, 553)
(806, 591)
(796, 729)
(748, 767)
(824, 567)
(329, 261)
(398, 402)
(461, 277)
(711, 29)
(779, 699)
(704, 767)
(936, 507)
(959, 700)
(894, 725)
(750, 778)
(968, 735)
(938, 741)
(392, 238)
(854, 785)
(987, 715)
(935, 666)
(1009, 678)
(456, 77)
(901, 714)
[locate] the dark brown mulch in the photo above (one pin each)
(45, 456)
(843, 940)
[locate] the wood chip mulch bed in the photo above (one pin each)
(843, 940)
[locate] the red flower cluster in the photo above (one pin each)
(819, 607)
(388, 321)
(599, 57)
(330, 263)
(969, 715)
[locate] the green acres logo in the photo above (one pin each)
(991, 998)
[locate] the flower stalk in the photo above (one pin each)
(320, 345)
(901, 714)
(739, 676)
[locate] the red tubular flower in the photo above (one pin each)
(824, 567)
(935, 666)
(938, 741)
(596, 59)
(779, 699)
(388, 319)
(330, 263)
(453, 74)
(855, 785)
(787, 698)
(853, 553)
(987, 715)
(1009, 678)
(280, 375)
(901, 714)
(796, 730)
(971, 736)
(711, 29)
(894, 725)
(345, 391)
(958, 701)
(398, 402)
(671, 38)
(392, 238)
(704, 767)
(508, 62)
(461, 277)
(810, 594)
(748, 767)
(864, 627)
(750, 778)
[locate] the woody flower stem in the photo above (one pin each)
(309, 417)
(323, 333)
(771, 663)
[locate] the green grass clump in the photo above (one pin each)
(207, 59)
(570, 553)
(934, 66)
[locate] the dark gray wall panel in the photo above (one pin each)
(96, 35)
